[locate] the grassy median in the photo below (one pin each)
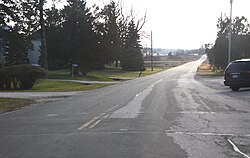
(9, 104)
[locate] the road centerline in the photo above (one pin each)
(91, 121)
(98, 121)
(113, 108)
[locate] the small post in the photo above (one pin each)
(72, 69)
(230, 33)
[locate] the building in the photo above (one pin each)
(34, 53)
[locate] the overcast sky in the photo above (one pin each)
(182, 24)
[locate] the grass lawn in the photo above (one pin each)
(103, 75)
(65, 74)
(107, 74)
(58, 86)
(9, 104)
(135, 74)
(62, 86)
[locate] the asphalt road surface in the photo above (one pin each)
(172, 114)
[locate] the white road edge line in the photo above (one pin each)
(10, 112)
(204, 133)
(236, 149)
(91, 121)
(195, 112)
(52, 115)
(172, 132)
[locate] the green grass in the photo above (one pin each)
(9, 104)
(59, 86)
(107, 74)
(135, 74)
(103, 75)
(62, 86)
(65, 74)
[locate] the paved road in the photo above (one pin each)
(172, 114)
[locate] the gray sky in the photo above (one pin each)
(182, 24)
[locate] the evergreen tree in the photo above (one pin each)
(57, 57)
(18, 40)
(16, 50)
(112, 38)
(132, 58)
(7, 11)
(43, 60)
(81, 42)
(218, 54)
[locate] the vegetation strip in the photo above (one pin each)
(206, 69)
(67, 86)
(10, 104)
(63, 86)
(108, 74)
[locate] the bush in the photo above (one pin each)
(20, 76)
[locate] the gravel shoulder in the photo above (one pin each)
(216, 82)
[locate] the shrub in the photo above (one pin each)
(20, 76)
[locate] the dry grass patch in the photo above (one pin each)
(9, 104)
(206, 69)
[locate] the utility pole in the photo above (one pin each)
(44, 55)
(152, 67)
(230, 33)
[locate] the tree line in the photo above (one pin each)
(218, 52)
(76, 34)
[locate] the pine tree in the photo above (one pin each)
(16, 51)
(112, 38)
(7, 11)
(17, 41)
(218, 54)
(57, 57)
(81, 42)
(132, 58)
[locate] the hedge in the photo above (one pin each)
(20, 76)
